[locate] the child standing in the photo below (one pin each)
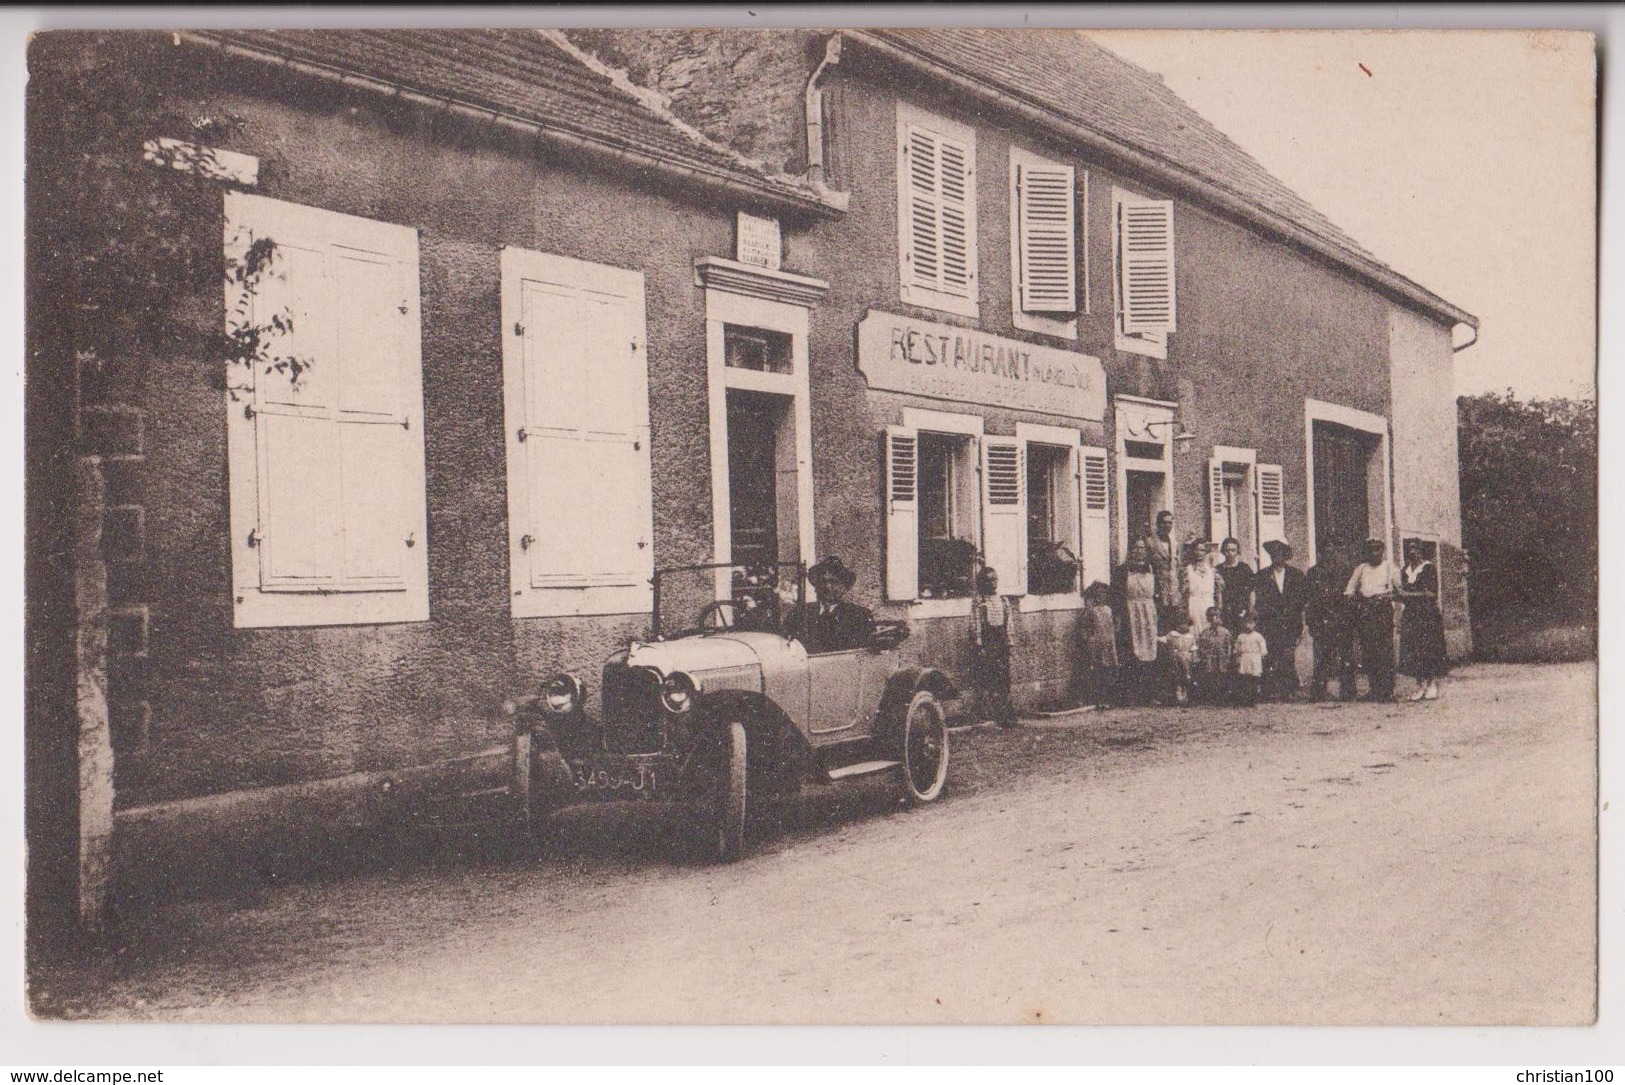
(991, 634)
(1250, 651)
(1178, 659)
(1099, 646)
(1214, 648)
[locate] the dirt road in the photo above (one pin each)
(1370, 864)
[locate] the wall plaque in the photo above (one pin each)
(757, 242)
(902, 354)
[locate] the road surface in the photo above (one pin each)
(1358, 864)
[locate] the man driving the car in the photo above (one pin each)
(833, 623)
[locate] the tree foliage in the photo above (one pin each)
(1529, 506)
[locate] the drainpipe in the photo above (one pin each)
(1472, 328)
(815, 112)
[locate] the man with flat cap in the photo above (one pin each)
(1279, 595)
(1371, 590)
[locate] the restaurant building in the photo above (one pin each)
(564, 308)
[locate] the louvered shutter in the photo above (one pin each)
(1004, 512)
(1095, 550)
(1217, 528)
(901, 449)
(938, 213)
(1045, 202)
(1145, 242)
(328, 469)
(1271, 504)
(580, 506)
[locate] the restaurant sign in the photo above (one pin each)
(901, 354)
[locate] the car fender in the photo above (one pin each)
(541, 777)
(900, 690)
(779, 755)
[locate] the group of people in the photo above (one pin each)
(1187, 624)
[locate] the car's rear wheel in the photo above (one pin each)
(925, 748)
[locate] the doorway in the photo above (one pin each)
(761, 478)
(1345, 459)
(1146, 496)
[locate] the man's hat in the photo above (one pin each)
(832, 569)
(1278, 550)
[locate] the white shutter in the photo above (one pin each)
(1216, 527)
(1145, 245)
(1045, 217)
(1095, 551)
(937, 213)
(328, 505)
(1271, 504)
(1004, 512)
(901, 448)
(579, 495)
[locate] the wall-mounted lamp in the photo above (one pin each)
(1182, 437)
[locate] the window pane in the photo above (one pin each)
(947, 556)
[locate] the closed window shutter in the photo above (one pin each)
(1095, 551)
(901, 449)
(1216, 526)
(1046, 202)
(579, 463)
(1145, 247)
(334, 460)
(1004, 512)
(938, 228)
(1271, 504)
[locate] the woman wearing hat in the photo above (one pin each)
(1279, 595)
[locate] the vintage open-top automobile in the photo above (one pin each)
(730, 714)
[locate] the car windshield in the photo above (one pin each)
(692, 599)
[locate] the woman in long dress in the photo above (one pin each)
(1421, 626)
(1140, 617)
(1238, 584)
(1204, 587)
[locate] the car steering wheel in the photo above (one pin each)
(720, 614)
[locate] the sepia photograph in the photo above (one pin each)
(789, 525)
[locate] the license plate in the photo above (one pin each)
(633, 780)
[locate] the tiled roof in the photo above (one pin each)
(1066, 74)
(522, 74)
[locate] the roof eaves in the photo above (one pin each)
(1169, 172)
(778, 193)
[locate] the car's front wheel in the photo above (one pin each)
(925, 748)
(722, 792)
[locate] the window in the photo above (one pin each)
(936, 212)
(1052, 520)
(756, 349)
(1044, 245)
(577, 411)
(1143, 279)
(932, 505)
(326, 471)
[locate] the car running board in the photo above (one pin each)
(862, 768)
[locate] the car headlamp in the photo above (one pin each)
(564, 694)
(677, 693)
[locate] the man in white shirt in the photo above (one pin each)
(1371, 589)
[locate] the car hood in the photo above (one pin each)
(713, 651)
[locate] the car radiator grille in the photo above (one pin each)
(634, 721)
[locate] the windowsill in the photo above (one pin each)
(1045, 325)
(1067, 600)
(1150, 347)
(935, 299)
(940, 608)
